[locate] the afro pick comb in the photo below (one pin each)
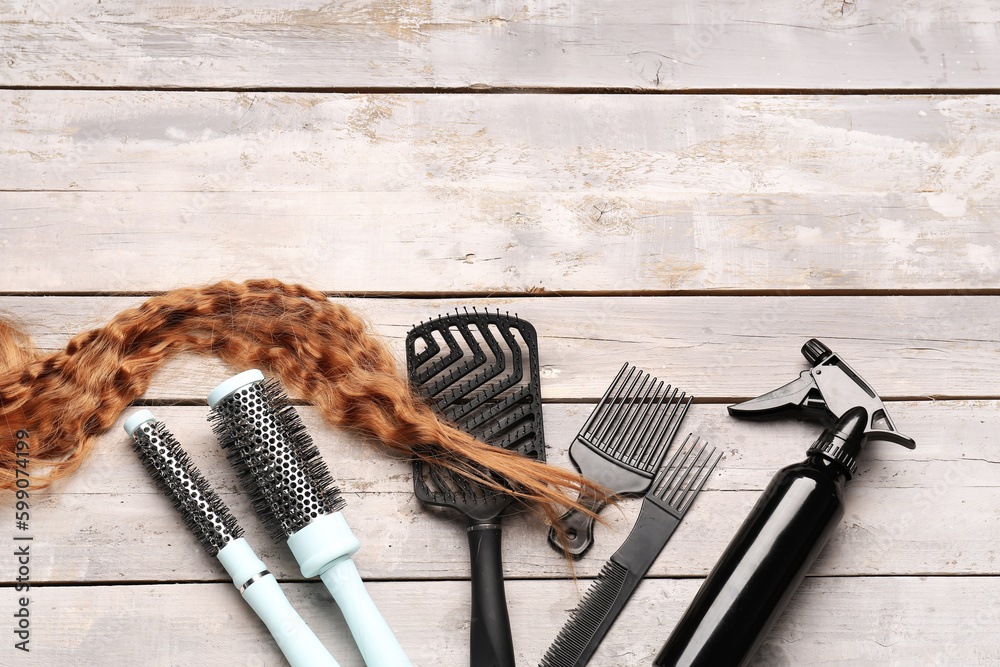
(621, 446)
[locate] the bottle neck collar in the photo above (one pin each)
(842, 442)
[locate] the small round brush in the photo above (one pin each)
(217, 531)
(292, 490)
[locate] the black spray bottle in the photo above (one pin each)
(788, 527)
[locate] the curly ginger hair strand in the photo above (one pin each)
(319, 349)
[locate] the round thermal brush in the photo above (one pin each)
(217, 531)
(292, 490)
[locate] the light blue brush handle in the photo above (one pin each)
(260, 589)
(324, 548)
(375, 640)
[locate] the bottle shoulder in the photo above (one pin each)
(814, 470)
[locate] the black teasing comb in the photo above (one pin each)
(668, 500)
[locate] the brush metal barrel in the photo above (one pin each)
(293, 492)
(214, 526)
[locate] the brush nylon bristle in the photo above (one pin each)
(203, 511)
(278, 464)
(584, 621)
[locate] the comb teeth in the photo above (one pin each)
(636, 419)
(686, 477)
(586, 618)
(277, 462)
(203, 511)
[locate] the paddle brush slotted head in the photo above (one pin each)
(480, 371)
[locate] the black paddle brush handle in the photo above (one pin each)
(579, 528)
(491, 643)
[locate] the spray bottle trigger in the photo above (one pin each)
(891, 436)
(824, 393)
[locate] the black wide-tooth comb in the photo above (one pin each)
(621, 446)
(221, 536)
(664, 506)
(292, 490)
(479, 370)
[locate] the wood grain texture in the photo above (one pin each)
(447, 193)
(638, 44)
(929, 511)
(623, 226)
(855, 620)
(715, 347)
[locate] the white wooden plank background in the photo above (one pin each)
(458, 193)
(822, 168)
(642, 44)
(910, 346)
(868, 621)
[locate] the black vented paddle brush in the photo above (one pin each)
(480, 370)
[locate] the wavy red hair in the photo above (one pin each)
(320, 350)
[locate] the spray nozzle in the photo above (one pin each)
(825, 393)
